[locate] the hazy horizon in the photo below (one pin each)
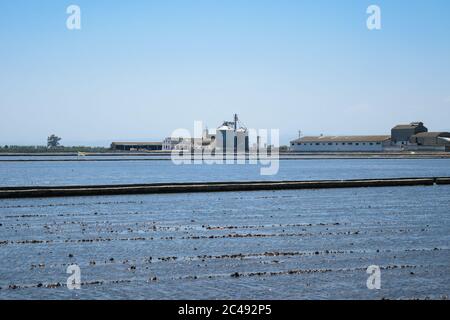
(138, 70)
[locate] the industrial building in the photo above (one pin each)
(340, 143)
(401, 134)
(431, 140)
(170, 143)
(183, 143)
(404, 137)
(415, 137)
(232, 136)
(136, 146)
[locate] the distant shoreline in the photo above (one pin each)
(161, 156)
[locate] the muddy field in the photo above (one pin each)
(309, 244)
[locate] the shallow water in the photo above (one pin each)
(122, 172)
(295, 244)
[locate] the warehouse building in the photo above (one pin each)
(431, 140)
(136, 146)
(340, 143)
(408, 137)
(401, 134)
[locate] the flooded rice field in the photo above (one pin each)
(81, 172)
(295, 244)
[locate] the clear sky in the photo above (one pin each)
(137, 70)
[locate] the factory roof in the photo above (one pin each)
(343, 139)
(409, 126)
(138, 143)
(225, 127)
(432, 134)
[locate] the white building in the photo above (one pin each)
(232, 137)
(181, 143)
(170, 143)
(340, 143)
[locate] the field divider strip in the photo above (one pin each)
(195, 187)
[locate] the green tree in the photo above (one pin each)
(53, 141)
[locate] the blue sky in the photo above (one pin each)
(137, 70)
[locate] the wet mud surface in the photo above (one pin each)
(294, 244)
